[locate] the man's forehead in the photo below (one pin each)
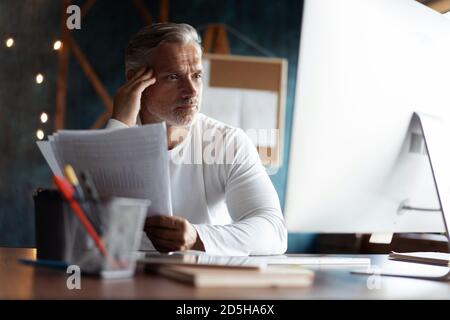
(170, 55)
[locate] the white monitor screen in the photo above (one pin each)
(364, 67)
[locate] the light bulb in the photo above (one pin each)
(39, 78)
(57, 45)
(10, 42)
(40, 134)
(44, 117)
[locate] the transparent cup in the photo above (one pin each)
(119, 223)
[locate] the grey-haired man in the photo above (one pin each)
(221, 207)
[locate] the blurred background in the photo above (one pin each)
(45, 85)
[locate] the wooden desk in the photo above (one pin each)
(18, 281)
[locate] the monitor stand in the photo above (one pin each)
(438, 152)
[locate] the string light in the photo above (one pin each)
(10, 42)
(39, 78)
(44, 117)
(40, 134)
(57, 45)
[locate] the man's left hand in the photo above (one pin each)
(169, 233)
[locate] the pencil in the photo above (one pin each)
(69, 172)
(68, 192)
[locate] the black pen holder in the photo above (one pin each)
(51, 215)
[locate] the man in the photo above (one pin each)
(222, 207)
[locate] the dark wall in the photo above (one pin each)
(104, 34)
(34, 26)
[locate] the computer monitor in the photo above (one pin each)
(358, 164)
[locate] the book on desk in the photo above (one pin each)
(203, 271)
(272, 276)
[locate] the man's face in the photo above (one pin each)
(176, 95)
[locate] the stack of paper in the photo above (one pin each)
(131, 162)
(200, 259)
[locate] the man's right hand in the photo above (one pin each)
(127, 101)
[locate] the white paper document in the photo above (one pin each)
(47, 152)
(131, 162)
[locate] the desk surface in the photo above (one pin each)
(18, 281)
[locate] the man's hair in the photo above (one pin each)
(141, 46)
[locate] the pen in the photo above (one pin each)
(90, 192)
(72, 178)
(67, 191)
(89, 186)
(69, 172)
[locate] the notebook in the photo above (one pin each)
(272, 276)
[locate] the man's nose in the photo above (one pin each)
(189, 89)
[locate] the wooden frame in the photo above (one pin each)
(70, 45)
(441, 6)
(238, 72)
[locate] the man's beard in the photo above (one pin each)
(181, 115)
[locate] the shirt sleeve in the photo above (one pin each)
(258, 226)
(115, 124)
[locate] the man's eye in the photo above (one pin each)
(173, 77)
(198, 76)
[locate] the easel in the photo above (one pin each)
(215, 39)
(70, 45)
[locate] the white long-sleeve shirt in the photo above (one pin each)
(220, 186)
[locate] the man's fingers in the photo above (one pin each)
(175, 233)
(147, 74)
(141, 85)
(138, 73)
(137, 79)
(168, 222)
(137, 87)
(165, 245)
(162, 248)
(164, 233)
